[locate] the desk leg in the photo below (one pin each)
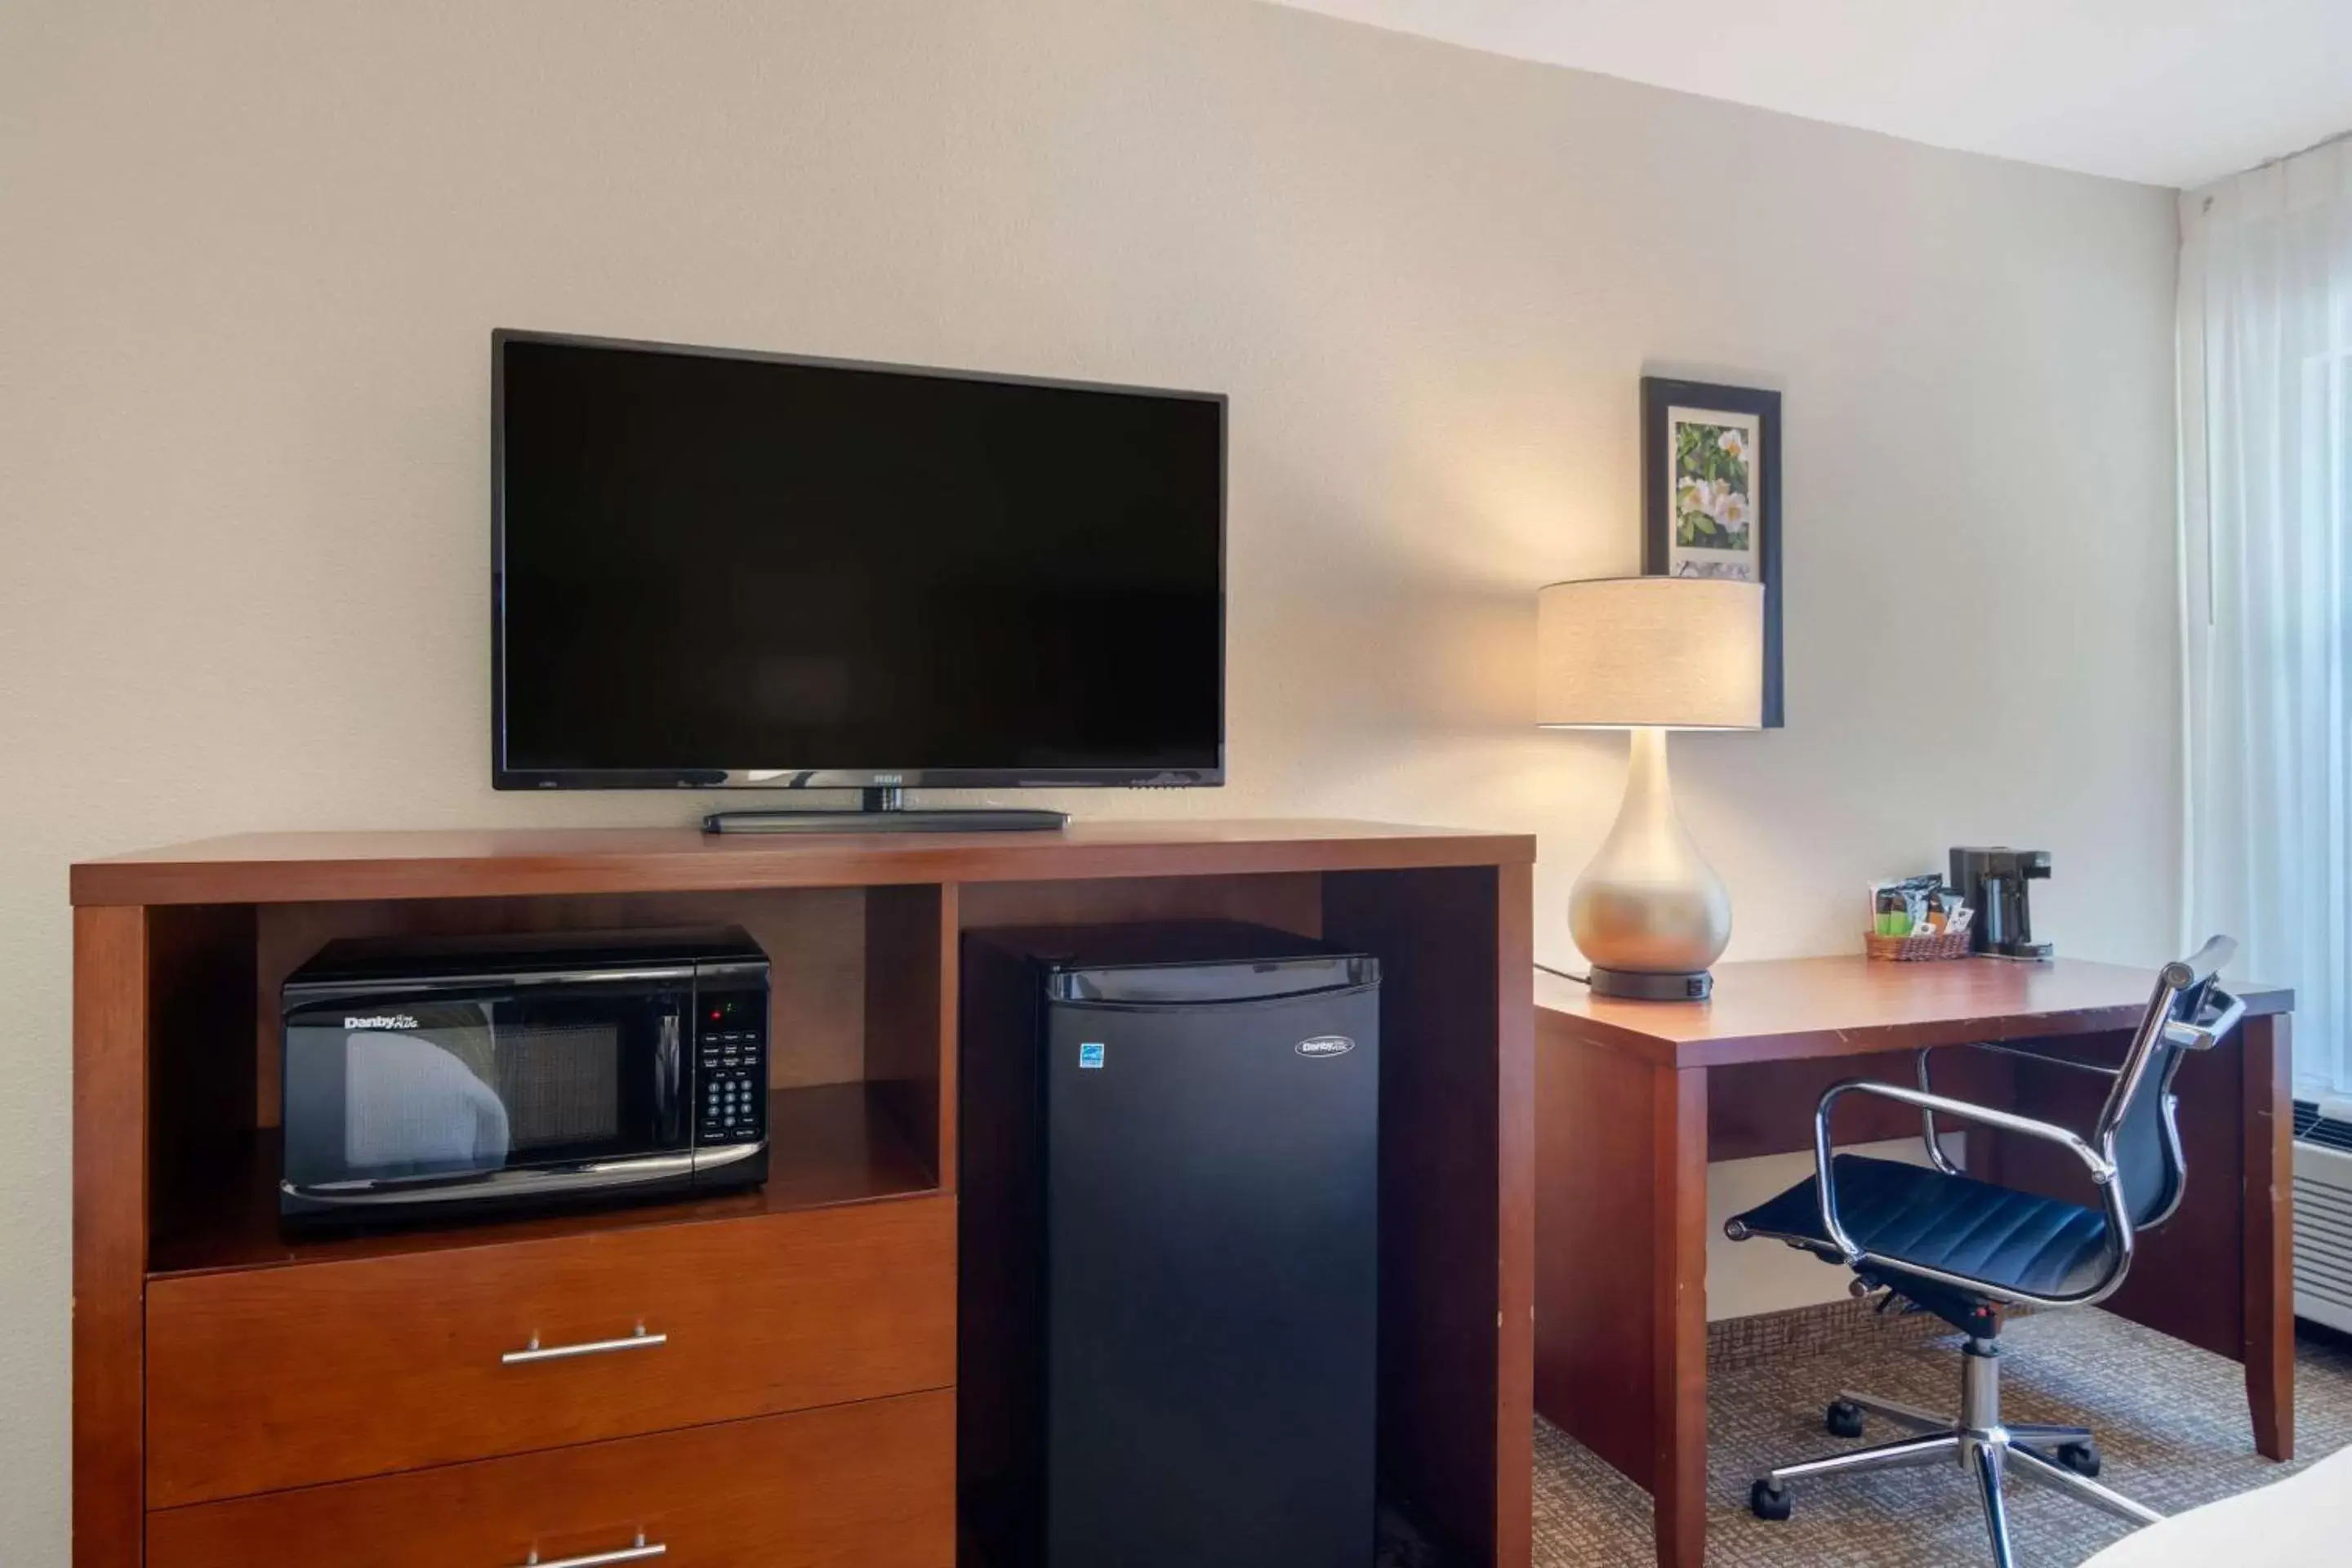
(2269, 1233)
(1678, 1486)
(1621, 1271)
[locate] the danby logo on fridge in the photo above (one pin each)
(1324, 1046)
(381, 1021)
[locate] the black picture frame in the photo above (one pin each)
(1660, 396)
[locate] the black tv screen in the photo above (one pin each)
(717, 568)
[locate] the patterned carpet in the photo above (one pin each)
(2171, 1421)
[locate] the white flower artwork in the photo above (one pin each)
(1715, 481)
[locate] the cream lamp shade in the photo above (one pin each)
(1676, 653)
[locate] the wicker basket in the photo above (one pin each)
(1909, 949)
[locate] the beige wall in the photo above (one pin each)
(251, 257)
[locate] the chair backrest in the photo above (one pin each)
(2136, 1128)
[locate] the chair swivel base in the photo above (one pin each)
(2062, 1457)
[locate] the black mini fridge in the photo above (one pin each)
(1202, 1185)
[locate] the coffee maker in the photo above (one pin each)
(1993, 882)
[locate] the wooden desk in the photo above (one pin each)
(1629, 1110)
(829, 1298)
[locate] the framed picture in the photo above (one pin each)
(1711, 495)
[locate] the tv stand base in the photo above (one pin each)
(885, 811)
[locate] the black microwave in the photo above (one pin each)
(433, 1079)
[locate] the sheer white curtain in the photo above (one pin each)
(2266, 584)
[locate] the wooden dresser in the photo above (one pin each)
(762, 1378)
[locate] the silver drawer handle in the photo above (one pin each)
(640, 1340)
(637, 1553)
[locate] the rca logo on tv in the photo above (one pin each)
(381, 1021)
(1325, 1046)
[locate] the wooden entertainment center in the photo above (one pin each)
(238, 1394)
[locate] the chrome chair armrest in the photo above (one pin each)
(2221, 1013)
(1934, 1141)
(2102, 1173)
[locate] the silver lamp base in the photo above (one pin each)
(1649, 913)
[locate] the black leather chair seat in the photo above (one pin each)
(2017, 1240)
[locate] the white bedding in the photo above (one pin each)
(2304, 1519)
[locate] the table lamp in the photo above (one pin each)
(1649, 655)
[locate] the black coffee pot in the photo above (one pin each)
(1993, 882)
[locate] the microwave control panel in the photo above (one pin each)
(730, 1039)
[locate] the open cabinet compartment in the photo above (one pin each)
(859, 1096)
(1450, 1472)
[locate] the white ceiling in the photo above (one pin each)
(2170, 92)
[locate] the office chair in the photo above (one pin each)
(1962, 1248)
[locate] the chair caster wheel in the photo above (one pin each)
(1766, 1500)
(2083, 1458)
(1844, 1420)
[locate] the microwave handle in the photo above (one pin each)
(673, 1084)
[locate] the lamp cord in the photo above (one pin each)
(1564, 974)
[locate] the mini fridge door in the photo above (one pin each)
(1211, 1280)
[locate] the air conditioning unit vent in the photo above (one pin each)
(2323, 1213)
(2327, 1132)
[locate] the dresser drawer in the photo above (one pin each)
(856, 1486)
(323, 1372)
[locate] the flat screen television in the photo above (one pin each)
(722, 568)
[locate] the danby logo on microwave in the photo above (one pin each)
(383, 1021)
(1324, 1046)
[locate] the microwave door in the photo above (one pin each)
(406, 1098)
